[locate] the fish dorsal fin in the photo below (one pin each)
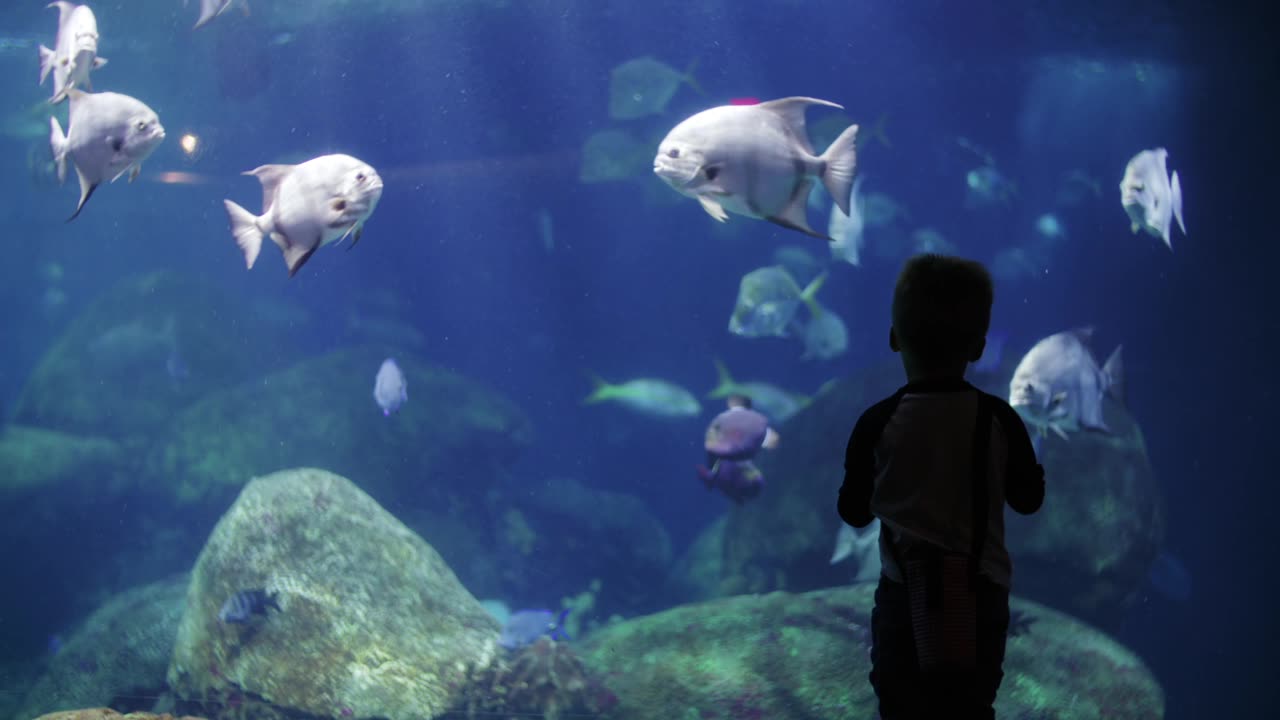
(270, 176)
(64, 11)
(793, 216)
(1083, 333)
(791, 110)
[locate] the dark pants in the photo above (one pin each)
(905, 693)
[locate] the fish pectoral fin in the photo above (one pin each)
(295, 256)
(1057, 429)
(134, 172)
(99, 62)
(1134, 227)
(355, 232)
(86, 191)
(793, 216)
(713, 208)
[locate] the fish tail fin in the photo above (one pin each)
(692, 81)
(1113, 369)
(1175, 188)
(839, 162)
(878, 131)
(810, 293)
(58, 144)
(601, 390)
(724, 381)
(560, 633)
(46, 62)
(244, 228)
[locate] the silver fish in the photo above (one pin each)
(1058, 385)
(756, 160)
(210, 9)
(644, 86)
(864, 546)
(1151, 198)
(75, 50)
(390, 390)
(320, 201)
(825, 336)
(768, 299)
(108, 134)
(845, 228)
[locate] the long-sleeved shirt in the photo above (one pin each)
(909, 462)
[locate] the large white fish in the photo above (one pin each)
(1150, 197)
(1058, 385)
(210, 9)
(75, 50)
(390, 390)
(865, 546)
(756, 160)
(108, 134)
(321, 201)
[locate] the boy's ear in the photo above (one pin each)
(893, 340)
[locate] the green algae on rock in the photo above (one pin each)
(453, 431)
(142, 351)
(804, 657)
(372, 622)
(123, 648)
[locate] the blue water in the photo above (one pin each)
(475, 118)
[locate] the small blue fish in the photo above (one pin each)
(524, 627)
(243, 605)
(390, 389)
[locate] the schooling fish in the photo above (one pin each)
(242, 606)
(389, 387)
(1150, 197)
(75, 50)
(108, 135)
(756, 160)
(647, 396)
(320, 201)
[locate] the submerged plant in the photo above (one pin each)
(544, 679)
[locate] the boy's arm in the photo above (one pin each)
(1024, 477)
(854, 504)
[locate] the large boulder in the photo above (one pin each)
(117, 657)
(142, 351)
(1086, 551)
(372, 623)
(452, 439)
(62, 515)
(804, 657)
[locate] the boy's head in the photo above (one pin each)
(941, 310)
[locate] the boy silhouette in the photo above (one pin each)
(936, 462)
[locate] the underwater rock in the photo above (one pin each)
(804, 657)
(109, 714)
(1086, 551)
(142, 351)
(450, 441)
(117, 657)
(556, 537)
(372, 623)
(696, 575)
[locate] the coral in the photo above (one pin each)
(107, 714)
(545, 679)
(580, 607)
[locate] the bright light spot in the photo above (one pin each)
(190, 144)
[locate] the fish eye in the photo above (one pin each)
(712, 173)
(117, 144)
(673, 153)
(340, 205)
(359, 177)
